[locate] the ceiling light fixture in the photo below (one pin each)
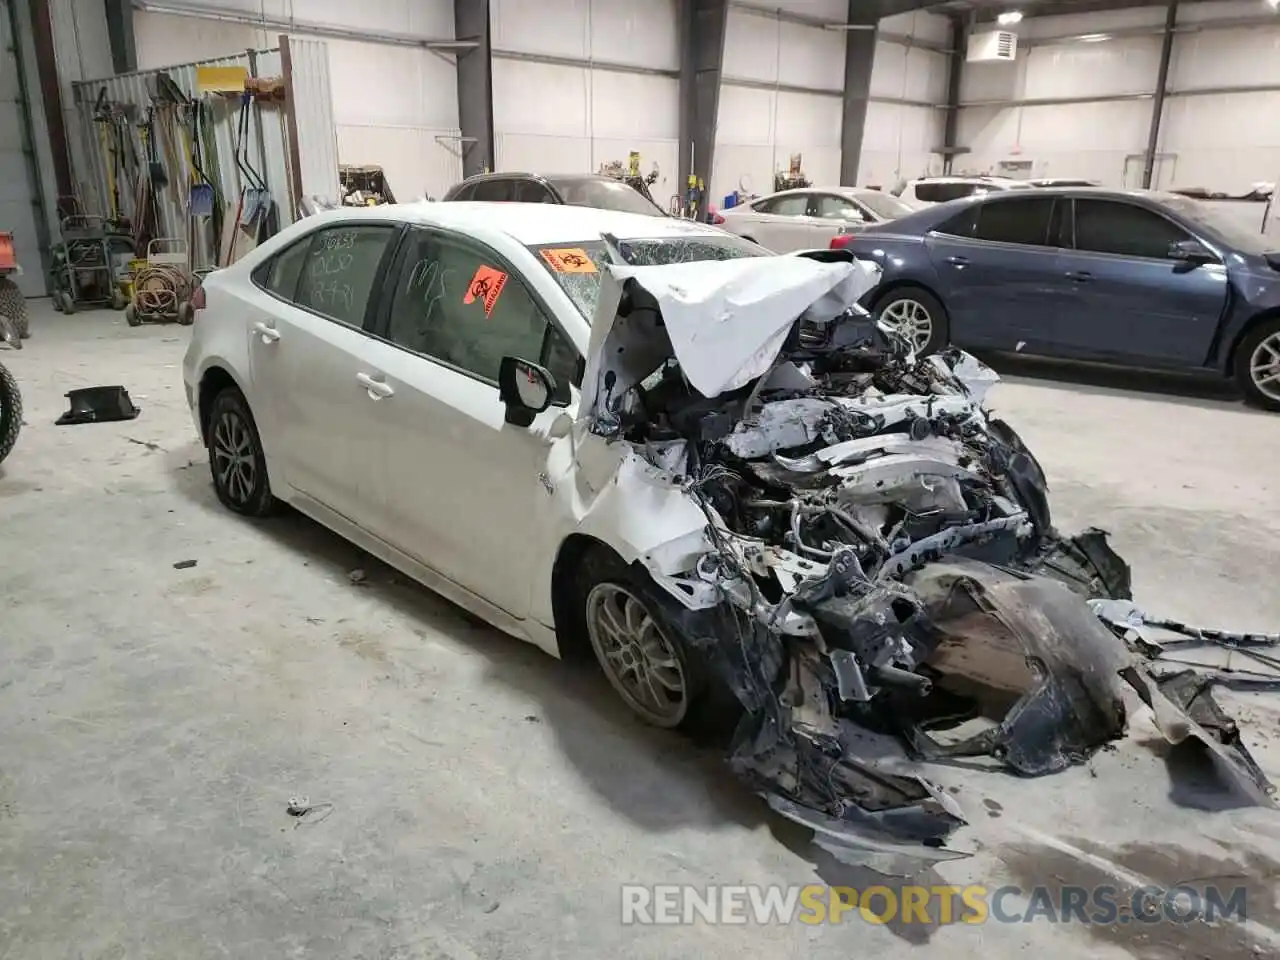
(1009, 18)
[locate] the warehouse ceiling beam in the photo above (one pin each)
(475, 86)
(866, 10)
(859, 57)
(584, 63)
(124, 53)
(701, 30)
(1157, 102)
(200, 12)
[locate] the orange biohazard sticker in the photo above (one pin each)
(486, 286)
(569, 260)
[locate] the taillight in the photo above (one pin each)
(717, 218)
(841, 240)
(197, 298)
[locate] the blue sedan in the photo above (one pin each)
(1133, 277)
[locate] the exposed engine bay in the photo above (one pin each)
(879, 582)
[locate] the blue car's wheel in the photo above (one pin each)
(917, 315)
(1257, 365)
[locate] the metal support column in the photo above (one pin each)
(702, 29)
(124, 53)
(1157, 102)
(51, 94)
(475, 86)
(955, 75)
(859, 56)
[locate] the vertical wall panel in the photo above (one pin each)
(568, 118)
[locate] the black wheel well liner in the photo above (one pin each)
(214, 381)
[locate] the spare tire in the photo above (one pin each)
(10, 411)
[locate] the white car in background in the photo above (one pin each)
(807, 218)
(930, 190)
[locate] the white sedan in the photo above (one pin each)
(808, 218)
(648, 441)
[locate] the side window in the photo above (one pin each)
(792, 206)
(1024, 221)
(340, 269)
(281, 273)
(464, 192)
(494, 191)
(963, 224)
(530, 191)
(453, 304)
(1104, 226)
(838, 208)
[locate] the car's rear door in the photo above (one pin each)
(1132, 301)
(308, 345)
(783, 223)
(464, 488)
(834, 214)
(999, 271)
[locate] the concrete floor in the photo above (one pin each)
(488, 802)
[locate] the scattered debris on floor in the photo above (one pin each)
(98, 405)
(358, 577)
(185, 564)
(304, 811)
(871, 571)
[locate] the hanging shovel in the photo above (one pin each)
(200, 202)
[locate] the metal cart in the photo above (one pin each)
(162, 285)
(88, 265)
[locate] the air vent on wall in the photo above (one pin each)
(993, 45)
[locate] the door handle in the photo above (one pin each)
(269, 334)
(378, 389)
(1079, 276)
(958, 261)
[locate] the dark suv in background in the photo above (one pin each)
(575, 189)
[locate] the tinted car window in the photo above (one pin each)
(604, 194)
(1105, 226)
(340, 269)
(455, 303)
(942, 192)
(281, 273)
(963, 224)
(1025, 220)
(531, 191)
(461, 192)
(793, 206)
(494, 191)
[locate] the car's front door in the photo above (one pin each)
(783, 223)
(1000, 273)
(465, 489)
(1132, 300)
(308, 346)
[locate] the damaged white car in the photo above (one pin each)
(649, 441)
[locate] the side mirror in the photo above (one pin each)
(525, 388)
(1191, 252)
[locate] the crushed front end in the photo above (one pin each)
(880, 582)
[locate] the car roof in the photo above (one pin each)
(974, 178)
(524, 174)
(527, 223)
(792, 191)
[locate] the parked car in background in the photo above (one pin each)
(573, 189)
(929, 190)
(810, 217)
(1063, 182)
(1136, 277)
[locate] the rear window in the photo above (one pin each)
(883, 205)
(604, 194)
(942, 192)
(576, 266)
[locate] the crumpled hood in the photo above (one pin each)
(723, 320)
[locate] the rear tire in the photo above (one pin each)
(10, 412)
(14, 306)
(1256, 361)
(237, 461)
(919, 315)
(131, 316)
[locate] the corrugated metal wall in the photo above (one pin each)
(264, 148)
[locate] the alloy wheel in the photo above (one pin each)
(911, 319)
(235, 462)
(636, 655)
(1264, 366)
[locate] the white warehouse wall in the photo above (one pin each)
(567, 117)
(758, 129)
(898, 139)
(394, 105)
(1220, 140)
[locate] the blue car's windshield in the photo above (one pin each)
(576, 266)
(1234, 229)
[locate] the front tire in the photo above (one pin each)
(10, 412)
(1257, 365)
(236, 458)
(918, 315)
(14, 306)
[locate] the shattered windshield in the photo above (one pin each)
(605, 195)
(576, 265)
